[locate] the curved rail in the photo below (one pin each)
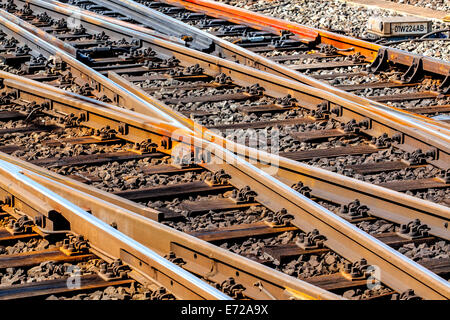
(340, 41)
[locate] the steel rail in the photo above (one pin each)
(398, 271)
(416, 133)
(165, 239)
(241, 55)
(384, 203)
(16, 182)
(192, 38)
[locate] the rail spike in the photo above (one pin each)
(280, 219)
(222, 78)
(74, 244)
(413, 230)
(220, 177)
(418, 156)
(301, 188)
(383, 141)
(232, 288)
(357, 270)
(21, 225)
(105, 133)
(311, 240)
(354, 210)
(243, 195)
(287, 101)
(113, 271)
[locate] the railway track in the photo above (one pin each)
(51, 248)
(360, 71)
(234, 216)
(254, 104)
(191, 75)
